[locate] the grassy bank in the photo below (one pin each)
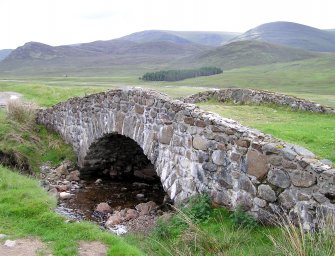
(26, 210)
(198, 229)
(27, 146)
(311, 130)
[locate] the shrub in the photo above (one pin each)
(199, 208)
(242, 219)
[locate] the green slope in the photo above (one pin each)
(313, 79)
(245, 53)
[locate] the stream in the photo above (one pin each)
(118, 195)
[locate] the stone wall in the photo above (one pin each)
(243, 96)
(194, 151)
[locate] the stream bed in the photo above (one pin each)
(117, 194)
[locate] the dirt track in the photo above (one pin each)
(34, 247)
(6, 96)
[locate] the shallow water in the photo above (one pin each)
(118, 194)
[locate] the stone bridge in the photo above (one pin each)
(193, 151)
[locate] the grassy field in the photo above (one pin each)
(313, 79)
(311, 130)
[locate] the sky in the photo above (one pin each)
(60, 22)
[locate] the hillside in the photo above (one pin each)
(291, 34)
(100, 56)
(246, 53)
(151, 50)
(182, 37)
(155, 36)
(206, 38)
(4, 53)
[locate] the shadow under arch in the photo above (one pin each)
(118, 157)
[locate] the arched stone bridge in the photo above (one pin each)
(193, 151)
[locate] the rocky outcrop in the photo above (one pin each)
(245, 96)
(194, 151)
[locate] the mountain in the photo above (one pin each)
(206, 38)
(4, 53)
(246, 53)
(181, 37)
(98, 56)
(155, 36)
(157, 49)
(330, 31)
(291, 34)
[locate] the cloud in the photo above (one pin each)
(100, 15)
(65, 22)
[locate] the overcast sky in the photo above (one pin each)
(60, 22)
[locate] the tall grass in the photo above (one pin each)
(24, 144)
(21, 112)
(217, 234)
(295, 240)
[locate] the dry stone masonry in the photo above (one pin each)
(243, 96)
(194, 151)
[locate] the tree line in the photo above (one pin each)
(177, 75)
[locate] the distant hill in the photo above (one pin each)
(181, 37)
(155, 36)
(152, 50)
(4, 53)
(246, 53)
(291, 34)
(206, 38)
(99, 56)
(330, 30)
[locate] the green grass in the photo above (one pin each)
(32, 144)
(26, 210)
(49, 91)
(220, 234)
(245, 53)
(312, 79)
(232, 234)
(311, 130)
(47, 95)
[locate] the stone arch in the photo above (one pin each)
(141, 116)
(117, 156)
(194, 151)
